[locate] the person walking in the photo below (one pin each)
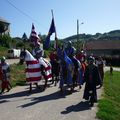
(92, 80)
(100, 65)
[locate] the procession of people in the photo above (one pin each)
(69, 67)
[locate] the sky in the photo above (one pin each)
(98, 16)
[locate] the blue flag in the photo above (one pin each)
(69, 64)
(51, 30)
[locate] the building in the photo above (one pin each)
(108, 49)
(6, 26)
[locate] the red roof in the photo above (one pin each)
(102, 45)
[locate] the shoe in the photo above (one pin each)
(91, 104)
(8, 90)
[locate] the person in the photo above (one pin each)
(82, 58)
(92, 80)
(55, 66)
(100, 65)
(38, 51)
(111, 70)
(5, 71)
(70, 50)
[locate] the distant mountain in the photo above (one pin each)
(112, 35)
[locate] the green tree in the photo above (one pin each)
(2, 28)
(24, 37)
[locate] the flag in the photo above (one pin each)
(69, 65)
(33, 70)
(34, 37)
(51, 31)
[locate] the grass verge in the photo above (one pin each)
(17, 75)
(3, 51)
(109, 105)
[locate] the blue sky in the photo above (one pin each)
(97, 15)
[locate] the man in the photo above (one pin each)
(92, 79)
(55, 66)
(38, 51)
(70, 50)
(100, 65)
(5, 70)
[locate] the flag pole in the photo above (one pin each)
(55, 29)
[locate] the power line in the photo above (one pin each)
(25, 14)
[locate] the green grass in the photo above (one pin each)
(109, 105)
(17, 75)
(3, 51)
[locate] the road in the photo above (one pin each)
(18, 104)
(11, 61)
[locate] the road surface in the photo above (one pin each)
(18, 104)
(12, 61)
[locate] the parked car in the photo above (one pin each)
(13, 53)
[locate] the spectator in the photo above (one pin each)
(5, 71)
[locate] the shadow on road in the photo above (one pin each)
(53, 96)
(4, 101)
(76, 108)
(19, 94)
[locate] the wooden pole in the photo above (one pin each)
(56, 42)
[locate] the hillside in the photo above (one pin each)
(112, 35)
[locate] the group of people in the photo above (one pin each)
(92, 73)
(66, 61)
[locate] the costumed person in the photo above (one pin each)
(66, 70)
(92, 80)
(55, 66)
(77, 76)
(5, 72)
(100, 65)
(70, 50)
(82, 57)
(44, 65)
(35, 42)
(36, 46)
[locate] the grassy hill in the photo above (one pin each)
(112, 35)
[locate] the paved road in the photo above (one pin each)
(47, 105)
(18, 104)
(11, 61)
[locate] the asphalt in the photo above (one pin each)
(18, 104)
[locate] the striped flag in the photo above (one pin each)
(34, 37)
(47, 68)
(33, 71)
(33, 68)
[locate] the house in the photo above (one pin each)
(108, 49)
(5, 26)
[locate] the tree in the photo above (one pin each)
(2, 28)
(24, 37)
